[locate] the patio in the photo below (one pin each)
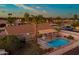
(44, 36)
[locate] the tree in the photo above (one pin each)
(34, 19)
(9, 14)
(59, 23)
(75, 16)
(41, 19)
(59, 20)
(38, 19)
(26, 17)
(10, 19)
(70, 37)
(74, 24)
(50, 19)
(23, 21)
(10, 43)
(58, 29)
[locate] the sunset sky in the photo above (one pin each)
(63, 10)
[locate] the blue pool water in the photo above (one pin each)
(58, 42)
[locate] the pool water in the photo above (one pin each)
(58, 42)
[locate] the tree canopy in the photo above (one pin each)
(10, 43)
(76, 23)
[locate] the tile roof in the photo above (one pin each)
(15, 30)
(44, 26)
(3, 21)
(27, 28)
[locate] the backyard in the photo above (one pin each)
(30, 48)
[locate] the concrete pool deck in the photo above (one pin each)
(69, 47)
(43, 44)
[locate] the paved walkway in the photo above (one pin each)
(43, 44)
(67, 33)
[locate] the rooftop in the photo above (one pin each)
(20, 29)
(27, 28)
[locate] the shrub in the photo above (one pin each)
(70, 37)
(10, 43)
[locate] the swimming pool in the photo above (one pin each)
(58, 42)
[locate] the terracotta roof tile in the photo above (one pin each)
(44, 26)
(27, 28)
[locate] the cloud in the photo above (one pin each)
(25, 7)
(38, 7)
(28, 8)
(44, 11)
(33, 11)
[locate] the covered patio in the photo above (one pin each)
(48, 33)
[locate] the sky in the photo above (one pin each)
(47, 10)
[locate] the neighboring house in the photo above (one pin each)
(67, 22)
(4, 22)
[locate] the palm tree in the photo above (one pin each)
(35, 21)
(59, 23)
(33, 18)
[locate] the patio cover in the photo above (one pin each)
(47, 31)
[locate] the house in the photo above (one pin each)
(20, 29)
(4, 22)
(30, 30)
(25, 31)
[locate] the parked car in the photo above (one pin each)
(69, 28)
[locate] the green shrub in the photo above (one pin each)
(10, 43)
(70, 37)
